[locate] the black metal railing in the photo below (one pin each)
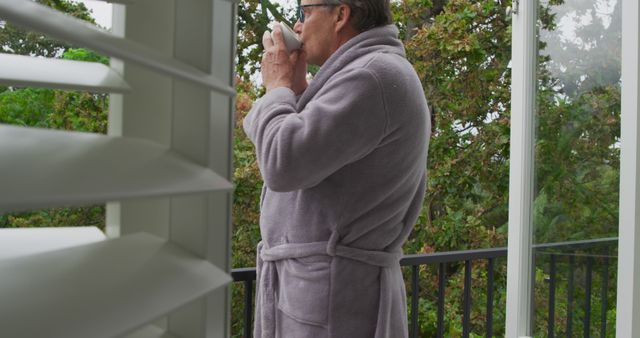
(442, 259)
(553, 251)
(570, 251)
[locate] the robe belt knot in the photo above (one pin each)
(331, 244)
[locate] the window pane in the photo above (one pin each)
(577, 166)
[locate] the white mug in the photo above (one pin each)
(291, 39)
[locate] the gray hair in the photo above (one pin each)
(367, 14)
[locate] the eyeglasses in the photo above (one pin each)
(302, 7)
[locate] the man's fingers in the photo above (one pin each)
(267, 42)
(268, 56)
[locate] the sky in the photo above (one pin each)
(101, 11)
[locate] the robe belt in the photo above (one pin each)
(267, 275)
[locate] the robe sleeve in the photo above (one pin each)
(345, 121)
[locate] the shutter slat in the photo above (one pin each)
(102, 289)
(27, 71)
(49, 168)
(34, 16)
(149, 331)
(17, 242)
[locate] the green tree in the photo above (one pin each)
(462, 55)
(577, 155)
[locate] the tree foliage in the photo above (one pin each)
(462, 55)
(578, 132)
(16, 40)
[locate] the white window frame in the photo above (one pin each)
(521, 171)
(519, 265)
(193, 121)
(628, 302)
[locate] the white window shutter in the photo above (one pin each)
(33, 16)
(164, 168)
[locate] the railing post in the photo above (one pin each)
(587, 300)
(414, 300)
(552, 297)
(467, 299)
(572, 260)
(248, 308)
(490, 298)
(603, 298)
(441, 285)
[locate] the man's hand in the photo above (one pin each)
(279, 68)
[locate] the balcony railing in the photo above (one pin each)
(590, 250)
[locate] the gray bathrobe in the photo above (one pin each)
(344, 172)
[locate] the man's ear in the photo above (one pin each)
(342, 18)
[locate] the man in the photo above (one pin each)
(343, 159)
